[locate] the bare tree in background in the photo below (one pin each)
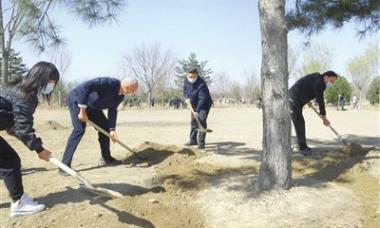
(62, 60)
(221, 85)
(363, 69)
(251, 88)
(316, 58)
(151, 65)
(31, 20)
(293, 56)
(236, 92)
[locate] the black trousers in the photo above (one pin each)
(98, 117)
(202, 116)
(10, 170)
(299, 123)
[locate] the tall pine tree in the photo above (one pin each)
(190, 62)
(16, 67)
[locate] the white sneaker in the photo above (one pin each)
(25, 205)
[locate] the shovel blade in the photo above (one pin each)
(102, 191)
(203, 130)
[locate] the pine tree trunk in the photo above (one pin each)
(275, 169)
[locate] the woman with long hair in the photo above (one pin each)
(18, 102)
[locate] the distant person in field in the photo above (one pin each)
(87, 102)
(341, 102)
(18, 102)
(302, 92)
(355, 102)
(197, 95)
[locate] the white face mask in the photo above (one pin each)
(192, 80)
(48, 88)
(328, 84)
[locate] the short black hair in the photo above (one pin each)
(330, 73)
(193, 70)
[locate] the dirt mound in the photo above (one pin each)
(154, 153)
(166, 207)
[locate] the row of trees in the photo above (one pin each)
(162, 77)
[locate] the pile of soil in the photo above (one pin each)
(164, 205)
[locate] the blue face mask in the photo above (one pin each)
(328, 84)
(48, 88)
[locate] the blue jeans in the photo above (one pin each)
(96, 116)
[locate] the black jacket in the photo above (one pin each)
(16, 115)
(307, 88)
(198, 94)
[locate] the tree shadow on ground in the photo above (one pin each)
(230, 148)
(328, 163)
(328, 167)
(366, 141)
(202, 177)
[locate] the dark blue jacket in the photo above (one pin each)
(198, 94)
(307, 88)
(99, 93)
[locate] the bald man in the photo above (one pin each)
(87, 102)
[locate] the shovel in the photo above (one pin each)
(84, 182)
(200, 127)
(351, 149)
(118, 141)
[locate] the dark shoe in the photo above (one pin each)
(306, 151)
(191, 143)
(109, 161)
(201, 147)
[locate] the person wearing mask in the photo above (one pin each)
(197, 95)
(18, 102)
(302, 92)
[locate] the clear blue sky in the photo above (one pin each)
(224, 32)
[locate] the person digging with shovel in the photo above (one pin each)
(197, 95)
(302, 92)
(18, 102)
(86, 102)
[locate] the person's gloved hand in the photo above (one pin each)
(44, 155)
(196, 115)
(114, 136)
(187, 100)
